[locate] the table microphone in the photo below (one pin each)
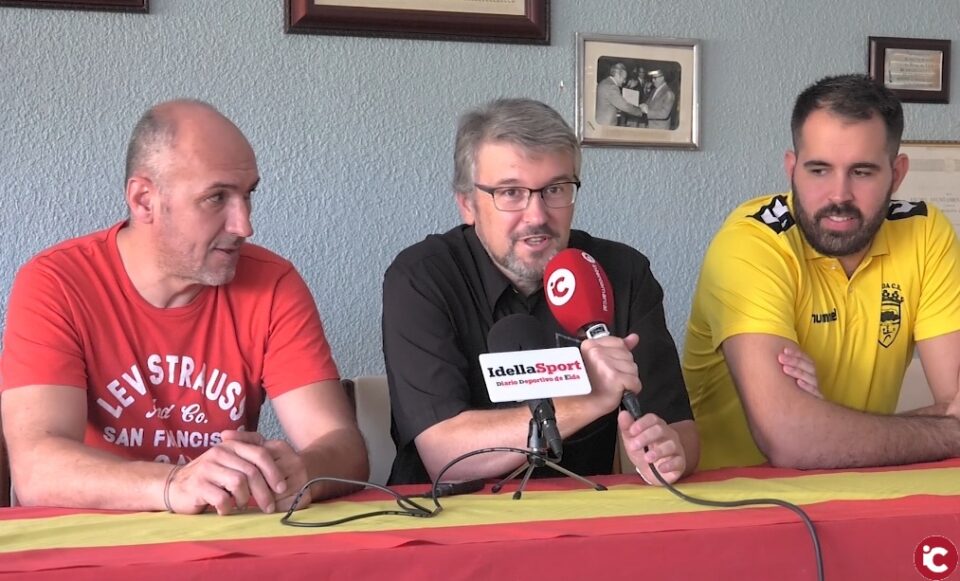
(581, 300)
(524, 333)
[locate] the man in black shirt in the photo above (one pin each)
(516, 179)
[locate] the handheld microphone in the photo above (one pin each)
(581, 300)
(524, 333)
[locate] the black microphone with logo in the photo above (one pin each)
(524, 333)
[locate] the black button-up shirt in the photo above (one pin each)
(440, 299)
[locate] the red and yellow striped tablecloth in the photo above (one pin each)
(869, 521)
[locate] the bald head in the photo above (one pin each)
(175, 124)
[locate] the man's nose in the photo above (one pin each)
(842, 190)
(536, 210)
(238, 221)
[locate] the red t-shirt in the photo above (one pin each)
(161, 383)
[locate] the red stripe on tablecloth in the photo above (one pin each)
(335, 545)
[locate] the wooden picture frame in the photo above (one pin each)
(510, 21)
(107, 5)
(618, 76)
(933, 176)
(917, 70)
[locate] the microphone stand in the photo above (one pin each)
(538, 458)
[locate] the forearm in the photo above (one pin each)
(820, 434)
(620, 103)
(472, 430)
(475, 429)
(341, 453)
(57, 471)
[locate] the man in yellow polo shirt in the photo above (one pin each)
(836, 269)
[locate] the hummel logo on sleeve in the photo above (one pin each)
(776, 215)
(900, 209)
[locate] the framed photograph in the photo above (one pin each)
(916, 69)
(512, 21)
(638, 92)
(933, 176)
(110, 5)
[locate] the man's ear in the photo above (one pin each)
(789, 163)
(901, 164)
(141, 195)
(465, 205)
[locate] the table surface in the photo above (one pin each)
(869, 521)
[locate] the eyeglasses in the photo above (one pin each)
(516, 199)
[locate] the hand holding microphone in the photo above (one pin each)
(581, 300)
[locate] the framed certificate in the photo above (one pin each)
(917, 70)
(933, 176)
(511, 21)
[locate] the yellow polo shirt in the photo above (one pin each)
(761, 276)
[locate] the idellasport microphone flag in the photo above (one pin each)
(519, 369)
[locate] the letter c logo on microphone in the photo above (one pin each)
(560, 286)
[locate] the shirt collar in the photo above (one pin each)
(494, 282)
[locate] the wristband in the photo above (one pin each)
(166, 487)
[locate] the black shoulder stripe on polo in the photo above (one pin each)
(775, 215)
(900, 209)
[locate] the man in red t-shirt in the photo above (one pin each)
(154, 343)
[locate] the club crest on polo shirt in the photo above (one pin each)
(775, 215)
(890, 300)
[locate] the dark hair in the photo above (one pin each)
(530, 124)
(854, 97)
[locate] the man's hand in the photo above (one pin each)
(611, 369)
(229, 475)
(800, 366)
(294, 472)
(664, 449)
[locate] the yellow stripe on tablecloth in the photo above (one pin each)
(100, 530)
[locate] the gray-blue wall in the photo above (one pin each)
(354, 135)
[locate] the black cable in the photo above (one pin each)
(413, 509)
(528, 453)
(751, 502)
(408, 506)
(683, 496)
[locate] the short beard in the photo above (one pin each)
(838, 244)
(179, 261)
(527, 278)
